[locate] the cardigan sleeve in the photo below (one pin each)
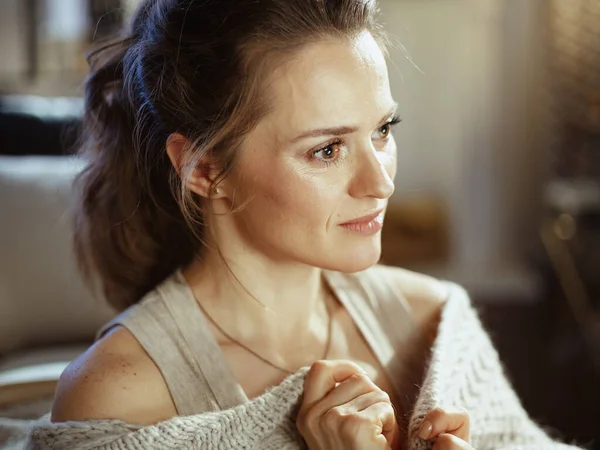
(266, 422)
(465, 370)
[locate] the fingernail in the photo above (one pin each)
(425, 430)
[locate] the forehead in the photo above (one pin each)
(336, 79)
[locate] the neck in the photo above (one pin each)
(260, 299)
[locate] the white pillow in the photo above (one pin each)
(42, 297)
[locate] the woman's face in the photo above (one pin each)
(324, 156)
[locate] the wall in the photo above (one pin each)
(468, 134)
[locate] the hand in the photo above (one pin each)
(343, 409)
(451, 427)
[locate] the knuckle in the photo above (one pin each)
(358, 377)
(384, 397)
(388, 407)
(352, 424)
(361, 378)
(444, 442)
(318, 370)
(309, 418)
(388, 410)
(318, 367)
(436, 413)
(457, 411)
(333, 417)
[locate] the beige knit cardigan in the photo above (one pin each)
(464, 370)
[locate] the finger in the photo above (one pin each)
(452, 420)
(383, 418)
(345, 392)
(323, 376)
(447, 441)
(363, 401)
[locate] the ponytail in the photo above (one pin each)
(129, 230)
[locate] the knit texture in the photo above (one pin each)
(464, 370)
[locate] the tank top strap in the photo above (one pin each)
(170, 327)
(385, 319)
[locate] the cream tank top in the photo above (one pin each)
(170, 326)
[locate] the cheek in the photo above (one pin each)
(297, 199)
(282, 200)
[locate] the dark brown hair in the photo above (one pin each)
(192, 67)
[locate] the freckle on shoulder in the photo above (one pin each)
(103, 383)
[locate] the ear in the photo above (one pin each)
(201, 182)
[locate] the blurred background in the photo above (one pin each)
(498, 184)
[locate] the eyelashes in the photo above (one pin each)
(333, 149)
(388, 126)
(393, 121)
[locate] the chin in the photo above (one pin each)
(355, 257)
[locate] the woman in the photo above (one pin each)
(240, 164)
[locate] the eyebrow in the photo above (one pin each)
(339, 130)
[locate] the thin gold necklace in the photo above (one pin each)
(263, 359)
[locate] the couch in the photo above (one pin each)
(47, 315)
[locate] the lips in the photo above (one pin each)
(368, 225)
(364, 219)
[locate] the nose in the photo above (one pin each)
(373, 174)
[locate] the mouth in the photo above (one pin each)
(365, 225)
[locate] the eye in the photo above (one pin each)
(328, 154)
(384, 131)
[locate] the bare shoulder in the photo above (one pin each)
(114, 379)
(425, 294)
